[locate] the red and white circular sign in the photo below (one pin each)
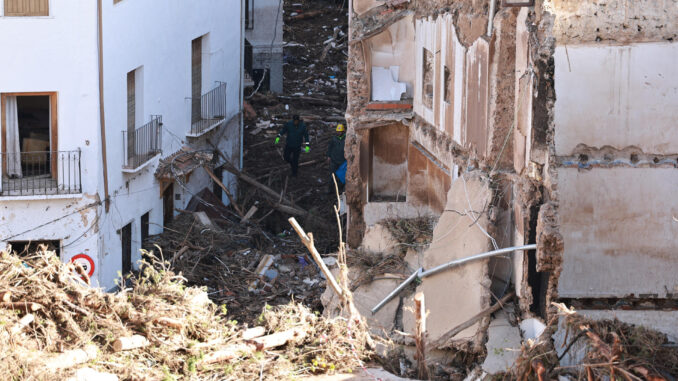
(86, 262)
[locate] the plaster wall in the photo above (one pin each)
(428, 180)
(388, 173)
(619, 233)
(477, 97)
(61, 57)
(617, 96)
(613, 20)
(395, 47)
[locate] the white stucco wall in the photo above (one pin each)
(56, 53)
(158, 38)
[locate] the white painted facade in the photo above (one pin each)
(59, 53)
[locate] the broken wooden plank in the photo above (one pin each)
(308, 242)
(420, 335)
(22, 306)
(252, 333)
(249, 213)
(131, 342)
(228, 193)
(72, 358)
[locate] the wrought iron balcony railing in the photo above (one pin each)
(40, 173)
(142, 144)
(208, 111)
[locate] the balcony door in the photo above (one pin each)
(29, 135)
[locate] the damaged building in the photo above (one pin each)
(514, 123)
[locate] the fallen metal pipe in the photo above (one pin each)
(423, 274)
(415, 275)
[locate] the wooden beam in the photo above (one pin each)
(228, 193)
(308, 242)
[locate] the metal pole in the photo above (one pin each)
(458, 262)
(423, 274)
(415, 275)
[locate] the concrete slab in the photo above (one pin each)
(365, 298)
(503, 345)
(454, 296)
(619, 234)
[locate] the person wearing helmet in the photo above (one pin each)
(335, 155)
(297, 134)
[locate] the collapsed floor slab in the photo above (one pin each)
(454, 296)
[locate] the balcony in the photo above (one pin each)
(141, 145)
(39, 173)
(209, 111)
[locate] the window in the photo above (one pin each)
(26, 7)
(249, 14)
(427, 80)
(30, 247)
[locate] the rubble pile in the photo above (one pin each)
(597, 350)
(241, 266)
(315, 55)
(54, 326)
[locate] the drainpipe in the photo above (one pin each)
(102, 119)
(490, 18)
(242, 74)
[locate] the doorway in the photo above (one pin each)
(126, 238)
(168, 204)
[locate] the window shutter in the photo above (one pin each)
(131, 113)
(196, 78)
(26, 7)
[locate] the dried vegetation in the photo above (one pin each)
(52, 322)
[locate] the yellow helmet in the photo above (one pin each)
(340, 128)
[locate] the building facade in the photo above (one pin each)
(94, 96)
(520, 122)
(264, 43)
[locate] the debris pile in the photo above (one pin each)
(315, 56)
(53, 326)
(241, 266)
(608, 349)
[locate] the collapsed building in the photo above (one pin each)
(513, 123)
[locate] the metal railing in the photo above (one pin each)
(40, 173)
(211, 112)
(142, 144)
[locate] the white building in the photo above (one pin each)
(264, 43)
(93, 95)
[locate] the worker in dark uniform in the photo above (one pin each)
(297, 134)
(335, 155)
